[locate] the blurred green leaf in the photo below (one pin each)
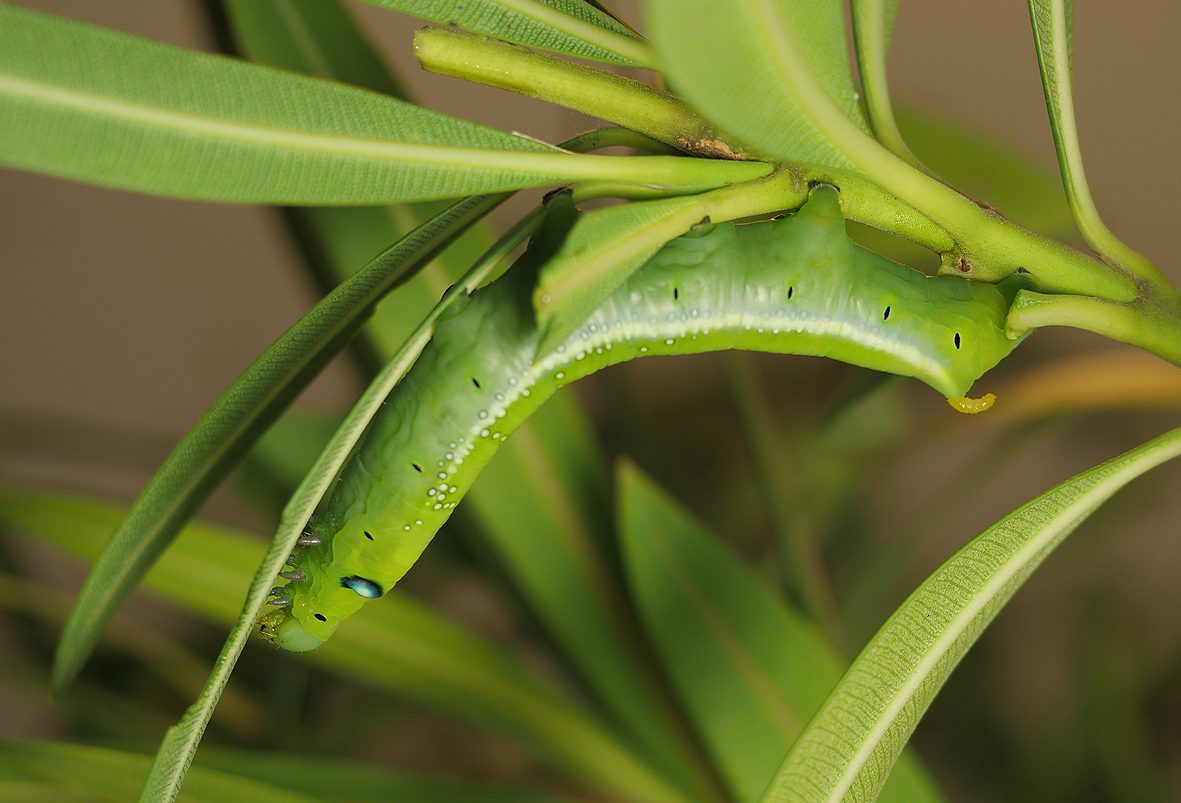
(98, 773)
(554, 541)
(209, 450)
(172, 663)
(329, 779)
(571, 27)
(773, 73)
(399, 645)
(851, 744)
(91, 104)
(748, 669)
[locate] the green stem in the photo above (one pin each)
(1152, 322)
(588, 90)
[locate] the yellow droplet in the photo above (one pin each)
(964, 404)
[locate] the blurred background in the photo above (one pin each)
(122, 317)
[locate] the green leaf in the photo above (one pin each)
(206, 454)
(328, 779)
(570, 27)
(849, 747)
(773, 73)
(607, 245)
(95, 105)
(554, 541)
(399, 646)
(748, 669)
(112, 775)
(873, 25)
(1053, 21)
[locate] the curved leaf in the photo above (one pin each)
(773, 73)
(849, 747)
(399, 646)
(205, 455)
(873, 25)
(748, 669)
(1053, 22)
(96, 105)
(571, 27)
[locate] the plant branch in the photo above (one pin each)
(1152, 322)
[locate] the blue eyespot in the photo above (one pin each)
(362, 586)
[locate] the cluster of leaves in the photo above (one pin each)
(747, 671)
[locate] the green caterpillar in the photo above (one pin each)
(795, 286)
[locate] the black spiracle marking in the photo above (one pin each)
(321, 617)
(476, 382)
(886, 314)
(369, 535)
(957, 340)
(791, 291)
(416, 467)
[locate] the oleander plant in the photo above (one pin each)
(725, 579)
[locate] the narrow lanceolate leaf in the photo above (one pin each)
(95, 105)
(570, 27)
(873, 25)
(204, 456)
(399, 647)
(850, 746)
(608, 245)
(1053, 22)
(113, 775)
(773, 73)
(748, 669)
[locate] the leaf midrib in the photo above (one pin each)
(187, 122)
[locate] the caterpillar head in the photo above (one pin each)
(284, 630)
